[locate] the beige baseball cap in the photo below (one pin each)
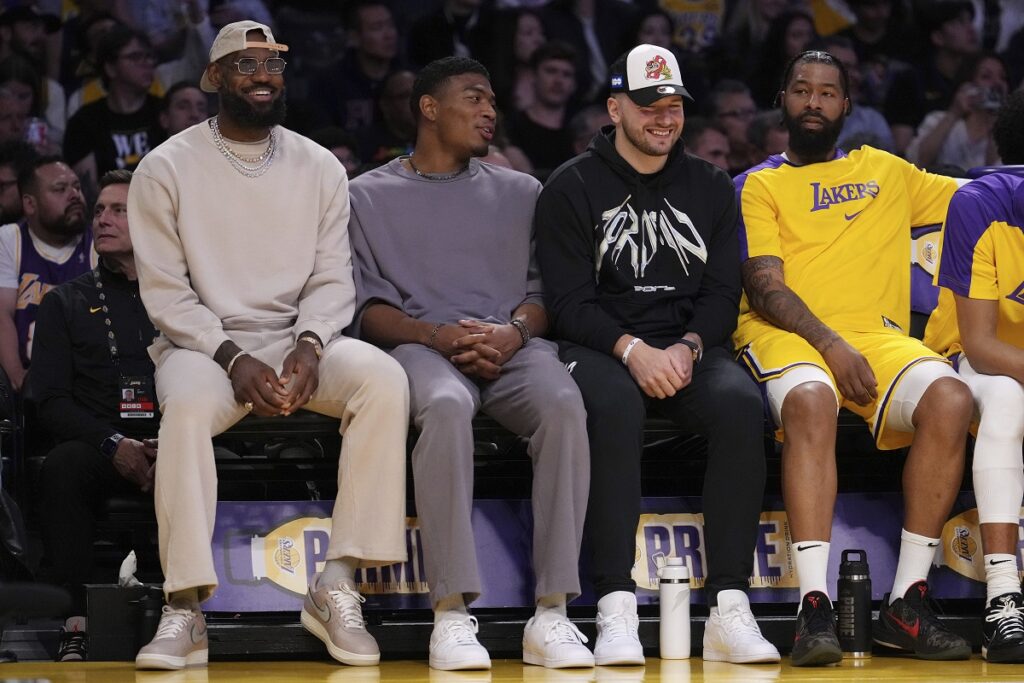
(232, 38)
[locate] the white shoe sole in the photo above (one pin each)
(756, 658)
(311, 624)
(620, 660)
(170, 662)
(464, 664)
(538, 659)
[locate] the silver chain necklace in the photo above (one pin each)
(436, 176)
(250, 167)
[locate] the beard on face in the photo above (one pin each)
(812, 144)
(66, 224)
(244, 114)
(637, 138)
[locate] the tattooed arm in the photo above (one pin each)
(774, 301)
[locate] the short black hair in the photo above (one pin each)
(111, 44)
(165, 101)
(726, 86)
(436, 75)
(554, 49)
(353, 8)
(1008, 132)
(761, 125)
(119, 176)
(932, 14)
(27, 179)
(817, 57)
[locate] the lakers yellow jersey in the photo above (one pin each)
(981, 256)
(842, 229)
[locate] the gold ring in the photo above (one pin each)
(248, 406)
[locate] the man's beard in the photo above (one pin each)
(812, 145)
(64, 226)
(244, 114)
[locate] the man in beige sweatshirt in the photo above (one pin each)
(240, 234)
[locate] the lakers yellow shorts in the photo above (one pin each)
(890, 356)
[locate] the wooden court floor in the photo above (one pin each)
(509, 671)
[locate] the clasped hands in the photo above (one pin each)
(478, 349)
(255, 382)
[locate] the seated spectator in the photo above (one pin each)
(12, 117)
(52, 245)
(346, 93)
(517, 35)
(746, 29)
(598, 30)
(23, 31)
(183, 106)
(586, 124)
(863, 122)
(880, 35)
(788, 35)
(118, 130)
(20, 80)
(342, 145)
(15, 155)
(92, 385)
(704, 140)
(456, 27)
(979, 324)
(393, 133)
(767, 136)
(732, 108)
(951, 39)
(540, 130)
(657, 27)
(961, 136)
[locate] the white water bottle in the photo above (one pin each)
(674, 602)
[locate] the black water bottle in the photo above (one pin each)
(854, 605)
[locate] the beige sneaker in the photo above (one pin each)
(335, 616)
(180, 641)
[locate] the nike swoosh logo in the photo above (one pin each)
(95, 310)
(323, 612)
(911, 629)
(851, 216)
(995, 562)
(808, 547)
(197, 635)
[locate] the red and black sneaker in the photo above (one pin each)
(815, 642)
(911, 625)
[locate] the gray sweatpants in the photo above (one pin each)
(534, 397)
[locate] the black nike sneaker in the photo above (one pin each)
(816, 642)
(910, 625)
(1003, 629)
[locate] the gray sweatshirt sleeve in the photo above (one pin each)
(371, 286)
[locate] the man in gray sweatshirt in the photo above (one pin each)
(447, 282)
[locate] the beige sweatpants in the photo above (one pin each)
(359, 384)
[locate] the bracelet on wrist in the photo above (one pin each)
(694, 348)
(433, 335)
(318, 347)
(524, 331)
(629, 349)
(231, 363)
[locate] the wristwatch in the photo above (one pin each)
(109, 445)
(693, 346)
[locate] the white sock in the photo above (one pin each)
(1000, 576)
(450, 607)
(811, 559)
(551, 605)
(341, 570)
(184, 599)
(916, 555)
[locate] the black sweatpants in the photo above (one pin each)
(721, 403)
(74, 480)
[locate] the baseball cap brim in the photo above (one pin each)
(648, 96)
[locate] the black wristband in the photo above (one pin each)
(693, 346)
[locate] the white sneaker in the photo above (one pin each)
(618, 642)
(732, 635)
(454, 647)
(555, 642)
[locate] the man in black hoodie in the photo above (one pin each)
(637, 245)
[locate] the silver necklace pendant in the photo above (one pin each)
(436, 176)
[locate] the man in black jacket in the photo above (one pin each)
(92, 384)
(638, 250)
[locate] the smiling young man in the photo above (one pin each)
(447, 282)
(240, 230)
(636, 241)
(823, 326)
